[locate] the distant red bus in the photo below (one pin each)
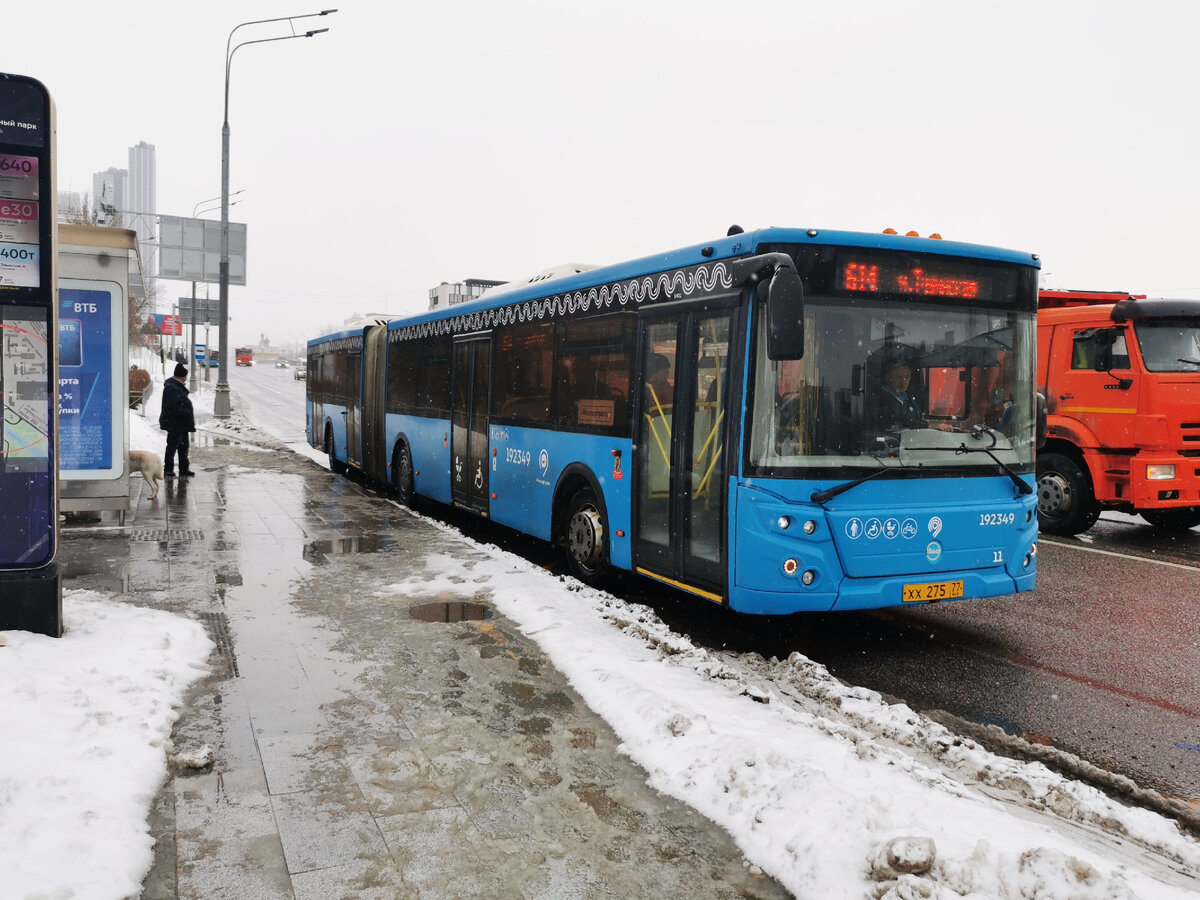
(244, 356)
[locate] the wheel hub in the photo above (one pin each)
(586, 537)
(1054, 495)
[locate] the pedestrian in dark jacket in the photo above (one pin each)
(178, 421)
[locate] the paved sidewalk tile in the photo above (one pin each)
(361, 752)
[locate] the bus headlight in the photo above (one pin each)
(1163, 472)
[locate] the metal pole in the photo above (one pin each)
(192, 353)
(221, 406)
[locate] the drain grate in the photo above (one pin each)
(167, 534)
(218, 630)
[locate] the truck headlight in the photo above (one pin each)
(1160, 472)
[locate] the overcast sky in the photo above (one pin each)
(416, 143)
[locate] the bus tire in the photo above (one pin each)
(1066, 504)
(336, 467)
(402, 475)
(1178, 519)
(585, 539)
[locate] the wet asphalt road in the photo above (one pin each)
(1099, 661)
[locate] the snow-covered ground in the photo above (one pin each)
(86, 734)
(829, 789)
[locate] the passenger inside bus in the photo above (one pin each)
(658, 386)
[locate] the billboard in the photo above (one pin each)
(190, 250)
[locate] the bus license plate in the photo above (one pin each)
(932, 591)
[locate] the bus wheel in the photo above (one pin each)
(585, 538)
(337, 468)
(1066, 504)
(1179, 519)
(402, 475)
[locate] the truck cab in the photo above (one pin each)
(1121, 377)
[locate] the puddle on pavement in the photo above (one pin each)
(450, 612)
(367, 543)
(317, 551)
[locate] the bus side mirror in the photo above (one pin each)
(785, 315)
(1040, 428)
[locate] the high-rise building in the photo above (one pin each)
(142, 203)
(109, 194)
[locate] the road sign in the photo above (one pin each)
(199, 310)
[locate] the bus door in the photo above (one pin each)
(374, 453)
(352, 393)
(680, 483)
(469, 418)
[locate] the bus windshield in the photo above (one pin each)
(935, 385)
(1169, 345)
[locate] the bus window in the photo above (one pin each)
(403, 375)
(524, 372)
(433, 382)
(592, 390)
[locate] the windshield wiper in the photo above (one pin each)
(1023, 486)
(1190, 362)
(976, 432)
(830, 493)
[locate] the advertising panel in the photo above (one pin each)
(90, 419)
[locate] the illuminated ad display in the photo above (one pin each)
(27, 322)
(90, 417)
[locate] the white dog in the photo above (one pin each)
(150, 465)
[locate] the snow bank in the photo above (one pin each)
(87, 723)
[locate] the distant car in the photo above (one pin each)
(281, 364)
(300, 373)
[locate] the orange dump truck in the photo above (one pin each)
(244, 356)
(1121, 377)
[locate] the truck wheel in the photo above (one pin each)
(585, 537)
(337, 468)
(402, 475)
(1066, 504)
(1179, 519)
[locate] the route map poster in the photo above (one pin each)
(28, 378)
(89, 419)
(26, 433)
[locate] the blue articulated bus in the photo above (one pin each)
(721, 418)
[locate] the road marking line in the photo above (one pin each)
(1157, 562)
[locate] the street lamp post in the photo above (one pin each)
(221, 406)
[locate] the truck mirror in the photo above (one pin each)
(1105, 338)
(1040, 433)
(785, 315)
